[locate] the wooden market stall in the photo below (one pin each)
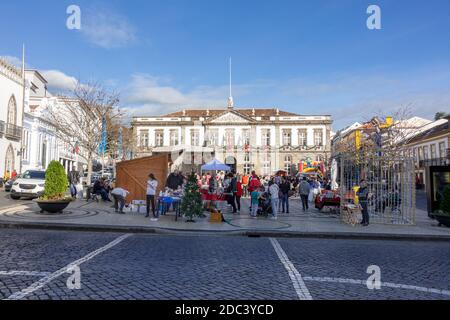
(132, 175)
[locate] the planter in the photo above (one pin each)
(53, 207)
(443, 220)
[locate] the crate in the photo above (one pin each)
(216, 217)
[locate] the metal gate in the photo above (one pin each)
(391, 184)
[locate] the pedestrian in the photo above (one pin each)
(254, 184)
(231, 191)
(99, 188)
(174, 180)
(304, 189)
(238, 194)
(254, 200)
(13, 174)
(245, 179)
(119, 195)
(6, 176)
(212, 185)
(363, 196)
(285, 188)
(152, 185)
(274, 191)
(74, 180)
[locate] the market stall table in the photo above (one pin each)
(165, 202)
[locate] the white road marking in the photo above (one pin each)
(44, 281)
(296, 278)
(24, 273)
(383, 284)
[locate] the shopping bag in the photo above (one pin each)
(311, 196)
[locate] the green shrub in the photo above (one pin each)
(445, 202)
(55, 182)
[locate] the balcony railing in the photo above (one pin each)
(434, 162)
(2, 127)
(13, 132)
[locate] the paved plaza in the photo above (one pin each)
(176, 260)
(128, 266)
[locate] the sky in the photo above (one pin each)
(307, 57)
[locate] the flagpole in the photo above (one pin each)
(23, 106)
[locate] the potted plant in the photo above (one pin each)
(54, 199)
(443, 215)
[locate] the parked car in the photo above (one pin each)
(29, 185)
(8, 184)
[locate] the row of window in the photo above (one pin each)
(43, 144)
(428, 152)
(212, 137)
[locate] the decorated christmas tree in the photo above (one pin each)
(192, 205)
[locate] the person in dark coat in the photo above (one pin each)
(285, 187)
(363, 195)
(174, 180)
(74, 180)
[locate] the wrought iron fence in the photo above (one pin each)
(391, 185)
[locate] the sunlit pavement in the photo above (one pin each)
(93, 216)
(129, 266)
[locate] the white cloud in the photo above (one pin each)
(59, 81)
(147, 94)
(150, 95)
(107, 29)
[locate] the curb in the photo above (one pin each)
(245, 232)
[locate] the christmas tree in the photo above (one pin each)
(192, 205)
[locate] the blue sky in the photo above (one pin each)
(308, 57)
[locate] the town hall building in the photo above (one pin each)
(264, 140)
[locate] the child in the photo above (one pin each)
(255, 194)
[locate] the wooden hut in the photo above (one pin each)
(132, 175)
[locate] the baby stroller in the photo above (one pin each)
(264, 205)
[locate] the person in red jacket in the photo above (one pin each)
(253, 184)
(238, 194)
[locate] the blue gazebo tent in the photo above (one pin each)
(215, 165)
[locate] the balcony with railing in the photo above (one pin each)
(434, 162)
(2, 128)
(13, 132)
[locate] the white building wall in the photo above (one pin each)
(11, 84)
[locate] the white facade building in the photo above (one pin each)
(11, 113)
(430, 146)
(265, 140)
(40, 142)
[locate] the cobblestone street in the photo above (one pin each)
(130, 266)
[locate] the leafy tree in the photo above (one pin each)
(439, 115)
(192, 205)
(78, 117)
(55, 182)
(445, 202)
